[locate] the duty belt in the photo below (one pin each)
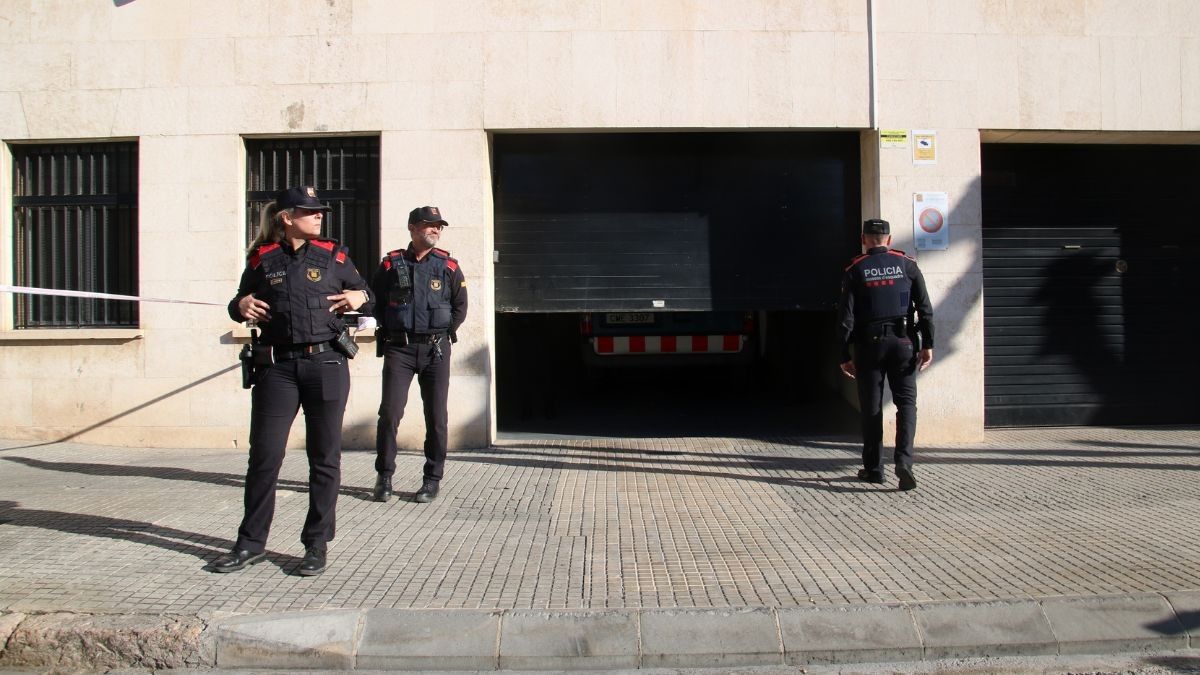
(897, 326)
(296, 351)
(422, 338)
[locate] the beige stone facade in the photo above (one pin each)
(189, 81)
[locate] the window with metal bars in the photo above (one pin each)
(75, 227)
(345, 172)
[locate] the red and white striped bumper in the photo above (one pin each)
(667, 344)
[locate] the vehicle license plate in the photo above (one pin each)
(626, 318)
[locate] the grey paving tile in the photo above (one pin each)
(1187, 609)
(821, 635)
(1113, 624)
(995, 628)
(303, 640)
(442, 639)
(709, 638)
(614, 524)
(570, 640)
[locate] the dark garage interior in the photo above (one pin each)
(742, 233)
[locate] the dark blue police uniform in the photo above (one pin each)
(882, 290)
(306, 371)
(420, 305)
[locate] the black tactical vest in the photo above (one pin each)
(296, 288)
(883, 289)
(425, 307)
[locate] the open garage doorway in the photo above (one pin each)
(672, 284)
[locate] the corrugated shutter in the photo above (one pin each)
(673, 221)
(1089, 314)
(1053, 323)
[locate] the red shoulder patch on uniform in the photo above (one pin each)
(257, 255)
(854, 262)
(452, 264)
(341, 256)
(326, 244)
(386, 264)
(440, 252)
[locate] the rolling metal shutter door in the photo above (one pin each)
(695, 221)
(1089, 314)
(1084, 327)
(1044, 287)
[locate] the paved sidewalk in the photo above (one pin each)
(654, 542)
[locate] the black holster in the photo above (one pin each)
(254, 356)
(247, 358)
(345, 344)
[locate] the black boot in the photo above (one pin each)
(383, 488)
(236, 560)
(870, 476)
(313, 563)
(428, 492)
(907, 480)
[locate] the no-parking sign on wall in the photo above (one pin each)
(931, 232)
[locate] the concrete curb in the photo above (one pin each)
(522, 639)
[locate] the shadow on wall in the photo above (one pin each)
(129, 411)
(964, 294)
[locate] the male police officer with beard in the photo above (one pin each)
(422, 300)
(881, 291)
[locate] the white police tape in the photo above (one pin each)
(365, 323)
(29, 290)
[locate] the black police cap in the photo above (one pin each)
(300, 198)
(426, 214)
(876, 226)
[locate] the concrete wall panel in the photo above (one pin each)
(190, 80)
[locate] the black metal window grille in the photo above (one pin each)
(75, 229)
(345, 171)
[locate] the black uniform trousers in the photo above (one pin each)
(320, 383)
(883, 351)
(400, 364)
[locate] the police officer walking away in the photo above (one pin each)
(422, 300)
(295, 287)
(882, 290)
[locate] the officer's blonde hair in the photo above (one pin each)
(270, 226)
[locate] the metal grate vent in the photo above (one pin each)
(75, 229)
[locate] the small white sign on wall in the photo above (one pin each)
(924, 146)
(931, 232)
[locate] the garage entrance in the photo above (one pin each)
(1087, 314)
(671, 283)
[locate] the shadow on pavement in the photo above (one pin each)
(170, 473)
(139, 532)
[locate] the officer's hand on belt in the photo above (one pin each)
(849, 370)
(349, 300)
(924, 359)
(253, 309)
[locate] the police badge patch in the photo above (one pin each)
(435, 284)
(314, 274)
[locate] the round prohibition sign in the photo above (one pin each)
(931, 220)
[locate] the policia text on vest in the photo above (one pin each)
(296, 287)
(886, 315)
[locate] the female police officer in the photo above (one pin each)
(295, 286)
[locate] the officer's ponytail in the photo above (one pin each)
(270, 226)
